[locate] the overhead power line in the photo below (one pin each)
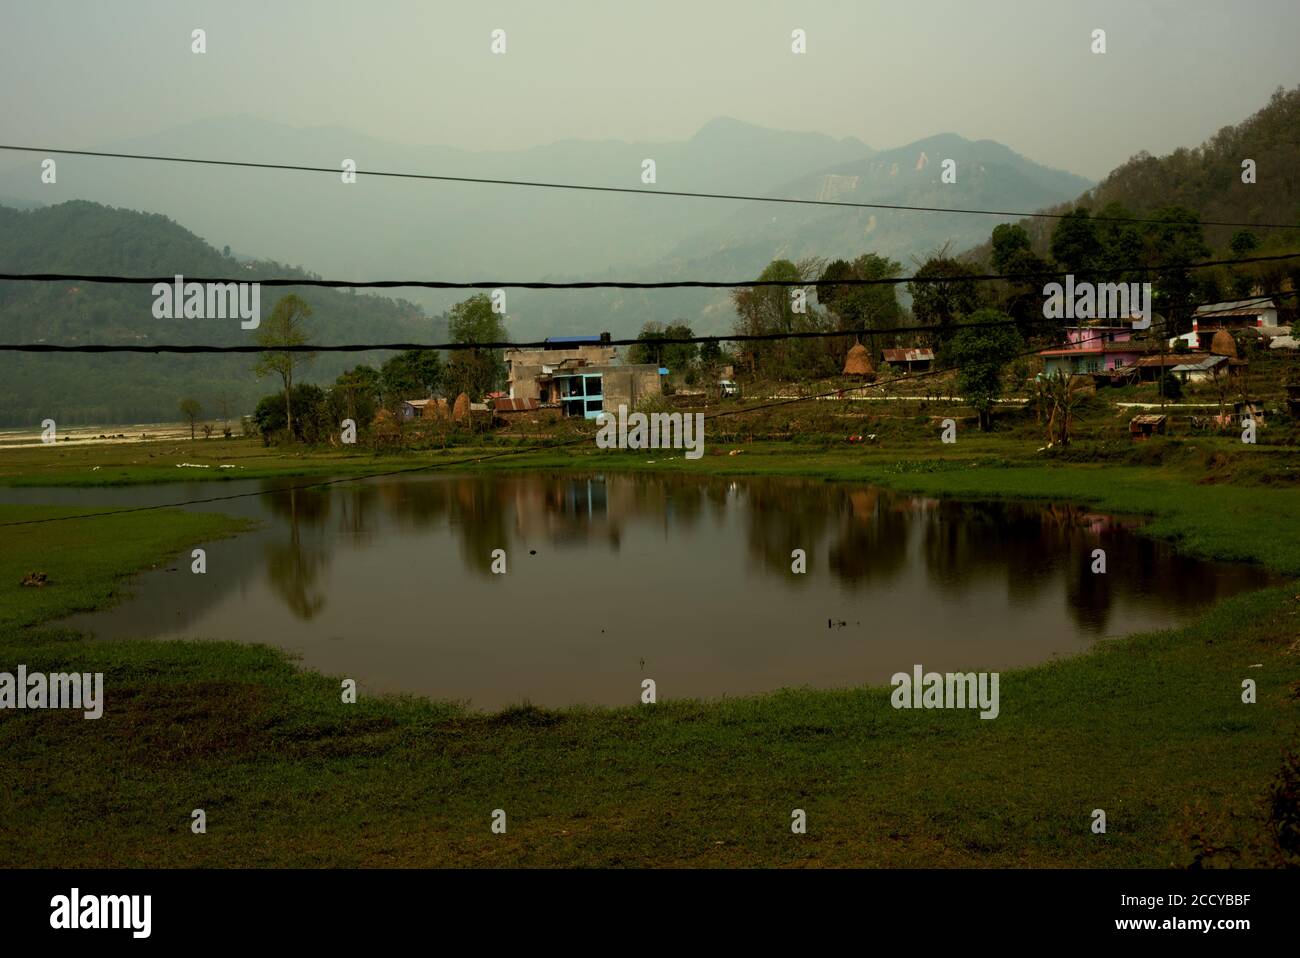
(198, 348)
(616, 189)
(280, 281)
(452, 347)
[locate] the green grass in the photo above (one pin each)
(86, 560)
(1151, 729)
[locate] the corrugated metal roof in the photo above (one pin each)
(907, 355)
(506, 404)
(1209, 362)
(1236, 307)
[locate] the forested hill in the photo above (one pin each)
(1207, 179)
(72, 389)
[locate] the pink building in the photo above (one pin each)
(1093, 349)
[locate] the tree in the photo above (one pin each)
(1060, 393)
(980, 353)
(862, 308)
(1022, 299)
(764, 310)
(678, 357)
(1174, 241)
(1075, 245)
(357, 393)
(475, 371)
(1009, 242)
(941, 294)
(1121, 245)
(286, 327)
(648, 348)
(415, 373)
(312, 423)
(223, 410)
(191, 410)
(1243, 243)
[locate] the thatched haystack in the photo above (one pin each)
(1223, 344)
(858, 363)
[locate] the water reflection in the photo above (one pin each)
(391, 581)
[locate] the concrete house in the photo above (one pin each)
(1258, 313)
(1093, 348)
(579, 375)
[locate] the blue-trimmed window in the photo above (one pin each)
(581, 395)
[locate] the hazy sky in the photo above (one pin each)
(82, 74)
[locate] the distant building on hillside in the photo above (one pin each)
(1257, 313)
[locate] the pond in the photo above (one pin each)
(611, 579)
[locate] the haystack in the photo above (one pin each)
(858, 363)
(1223, 344)
(461, 409)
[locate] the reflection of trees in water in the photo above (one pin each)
(1027, 547)
(421, 504)
(679, 499)
(477, 509)
(292, 568)
(783, 516)
(872, 544)
(1023, 547)
(304, 507)
(965, 544)
(359, 507)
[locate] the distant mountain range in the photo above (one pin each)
(381, 228)
(388, 229)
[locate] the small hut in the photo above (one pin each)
(858, 363)
(1145, 426)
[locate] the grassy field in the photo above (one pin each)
(1151, 729)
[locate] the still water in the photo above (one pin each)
(612, 579)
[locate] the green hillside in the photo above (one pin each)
(77, 389)
(1207, 179)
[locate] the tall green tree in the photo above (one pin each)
(287, 326)
(1122, 250)
(980, 353)
(857, 307)
(1022, 299)
(475, 371)
(942, 293)
(1075, 245)
(651, 348)
(764, 310)
(1174, 241)
(413, 374)
(357, 393)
